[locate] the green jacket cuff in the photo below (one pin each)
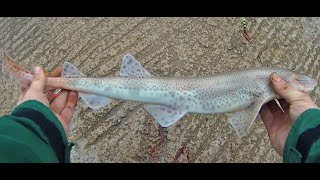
(25, 108)
(303, 133)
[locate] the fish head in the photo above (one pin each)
(300, 81)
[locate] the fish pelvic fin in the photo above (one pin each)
(242, 120)
(92, 100)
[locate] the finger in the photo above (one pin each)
(39, 80)
(49, 95)
(285, 106)
(59, 102)
(22, 93)
(273, 106)
(68, 110)
(266, 116)
(283, 89)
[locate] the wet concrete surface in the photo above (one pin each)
(123, 131)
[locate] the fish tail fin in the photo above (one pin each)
(20, 75)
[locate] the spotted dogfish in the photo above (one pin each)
(240, 94)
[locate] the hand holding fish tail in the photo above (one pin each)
(35, 92)
(62, 106)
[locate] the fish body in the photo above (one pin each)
(240, 93)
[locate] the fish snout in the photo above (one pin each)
(304, 83)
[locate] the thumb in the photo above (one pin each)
(39, 80)
(284, 90)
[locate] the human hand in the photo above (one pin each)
(62, 106)
(277, 122)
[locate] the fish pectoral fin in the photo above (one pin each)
(242, 120)
(94, 101)
(131, 67)
(164, 115)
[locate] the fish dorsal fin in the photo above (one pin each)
(70, 71)
(164, 115)
(242, 120)
(131, 67)
(92, 100)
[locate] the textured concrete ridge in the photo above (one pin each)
(123, 131)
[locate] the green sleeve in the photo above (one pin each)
(303, 141)
(32, 133)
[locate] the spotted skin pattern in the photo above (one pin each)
(240, 93)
